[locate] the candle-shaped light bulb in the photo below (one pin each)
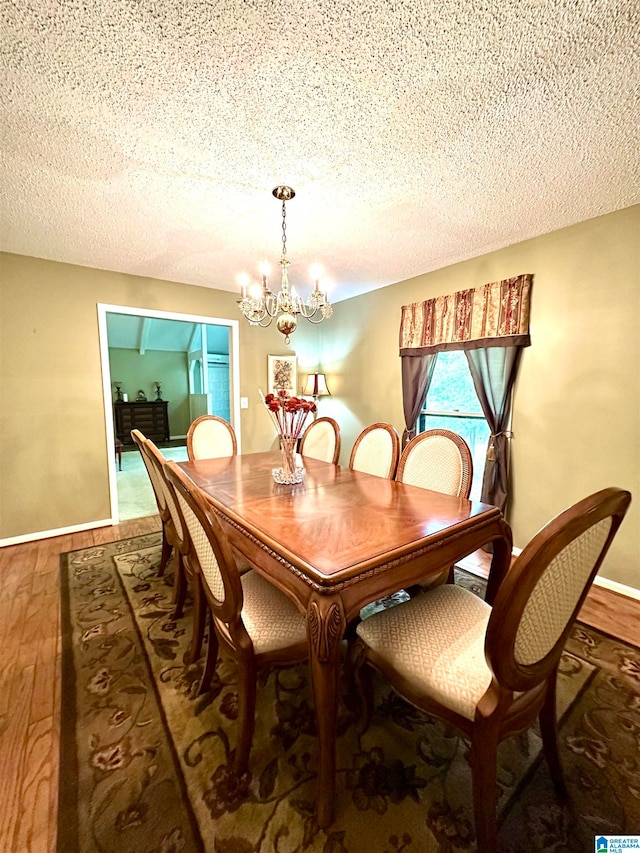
(326, 285)
(243, 280)
(265, 269)
(316, 274)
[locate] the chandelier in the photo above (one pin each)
(260, 305)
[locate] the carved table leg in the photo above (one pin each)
(500, 562)
(326, 628)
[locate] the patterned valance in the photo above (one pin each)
(493, 315)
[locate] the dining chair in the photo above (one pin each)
(175, 532)
(179, 537)
(437, 459)
(376, 451)
(321, 440)
(440, 460)
(491, 671)
(163, 510)
(250, 617)
(210, 437)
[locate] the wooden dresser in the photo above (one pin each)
(151, 418)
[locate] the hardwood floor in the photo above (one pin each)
(30, 675)
(614, 614)
(30, 683)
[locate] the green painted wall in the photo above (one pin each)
(577, 402)
(139, 372)
(576, 418)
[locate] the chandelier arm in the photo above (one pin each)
(303, 311)
(306, 311)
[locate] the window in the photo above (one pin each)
(452, 404)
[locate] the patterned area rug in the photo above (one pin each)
(145, 764)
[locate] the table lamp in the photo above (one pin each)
(316, 386)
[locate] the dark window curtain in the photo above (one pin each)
(494, 370)
(416, 378)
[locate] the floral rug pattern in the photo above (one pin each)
(146, 764)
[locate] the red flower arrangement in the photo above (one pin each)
(288, 413)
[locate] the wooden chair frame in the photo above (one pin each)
(163, 510)
(336, 430)
(209, 418)
(395, 446)
(518, 693)
(225, 616)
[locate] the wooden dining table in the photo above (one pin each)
(336, 542)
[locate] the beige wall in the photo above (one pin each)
(577, 403)
(53, 456)
(576, 419)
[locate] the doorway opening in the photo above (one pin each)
(158, 348)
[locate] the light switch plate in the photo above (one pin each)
(244, 402)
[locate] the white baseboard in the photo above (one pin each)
(620, 588)
(61, 531)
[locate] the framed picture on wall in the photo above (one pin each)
(282, 374)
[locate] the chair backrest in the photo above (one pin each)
(156, 461)
(544, 589)
(376, 451)
(139, 440)
(209, 550)
(321, 440)
(437, 459)
(210, 437)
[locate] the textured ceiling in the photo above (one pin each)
(146, 137)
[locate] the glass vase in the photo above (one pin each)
(288, 473)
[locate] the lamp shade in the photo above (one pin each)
(316, 386)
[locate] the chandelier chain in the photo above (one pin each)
(284, 229)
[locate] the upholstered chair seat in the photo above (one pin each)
(271, 619)
(436, 643)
